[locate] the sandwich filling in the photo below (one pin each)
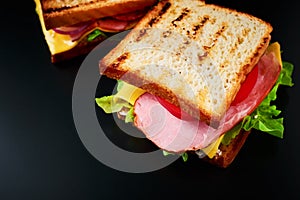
(178, 134)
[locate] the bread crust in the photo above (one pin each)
(227, 153)
(64, 14)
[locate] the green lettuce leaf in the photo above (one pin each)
(165, 153)
(93, 35)
(231, 134)
(112, 104)
(286, 74)
(184, 155)
(266, 116)
(119, 85)
(130, 115)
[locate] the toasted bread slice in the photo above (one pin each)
(68, 12)
(192, 54)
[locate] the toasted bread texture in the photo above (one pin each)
(67, 12)
(194, 55)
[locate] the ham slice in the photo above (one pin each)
(120, 22)
(115, 23)
(132, 16)
(112, 24)
(176, 135)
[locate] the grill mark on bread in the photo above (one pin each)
(120, 60)
(240, 40)
(66, 7)
(197, 27)
(52, 10)
(202, 23)
(216, 37)
(59, 13)
(141, 34)
(160, 14)
(184, 13)
(152, 21)
(207, 48)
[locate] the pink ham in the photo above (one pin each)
(115, 23)
(176, 135)
(132, 16)
(120, 22)
(112, 24)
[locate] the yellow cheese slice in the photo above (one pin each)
(129, 93)
(275, 48)
(212, 149)
(57, 43)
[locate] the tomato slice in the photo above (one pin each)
(174, 110)
(246, 86)
(243, 93)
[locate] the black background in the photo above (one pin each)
(42, 157)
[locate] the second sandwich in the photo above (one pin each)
(74, 28)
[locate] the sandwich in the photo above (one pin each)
(74, 28)
(196, 78)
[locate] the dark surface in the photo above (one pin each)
(42, 157)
